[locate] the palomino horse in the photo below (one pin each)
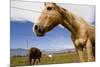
(82, 34)
(34, 54)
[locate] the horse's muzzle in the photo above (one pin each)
(40, 31)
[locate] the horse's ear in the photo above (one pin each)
(45, 4)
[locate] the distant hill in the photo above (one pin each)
(24, 52)
(19, 51)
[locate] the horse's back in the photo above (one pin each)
(35, 53)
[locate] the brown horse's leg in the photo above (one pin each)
(89, 50)
(80, 53)
(37, 62)
(93, 51)
(34, 61)
(79, 50)
(39, 59)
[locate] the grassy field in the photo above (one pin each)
(56, 59)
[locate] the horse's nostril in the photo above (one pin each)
(39, 29)
(36, 27)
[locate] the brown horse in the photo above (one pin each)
(34, 53)
(82, 34)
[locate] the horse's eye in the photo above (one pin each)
(49, 8)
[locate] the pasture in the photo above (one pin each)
(56, 59)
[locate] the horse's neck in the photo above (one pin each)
(70, 22)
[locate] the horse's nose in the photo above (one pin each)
(39, 29)
(36, 27)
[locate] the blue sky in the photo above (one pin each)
(21, 31)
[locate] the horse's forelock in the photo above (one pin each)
(61, 10)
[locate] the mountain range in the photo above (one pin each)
(24, 52)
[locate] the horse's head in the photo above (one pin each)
(51, 16)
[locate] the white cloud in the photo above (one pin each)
(24, 14)
(20, 19)
(85, 11)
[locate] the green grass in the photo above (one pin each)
(56, 59)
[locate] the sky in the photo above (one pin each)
(22, 22)
(22, 34)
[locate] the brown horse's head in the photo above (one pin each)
(51, 16)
